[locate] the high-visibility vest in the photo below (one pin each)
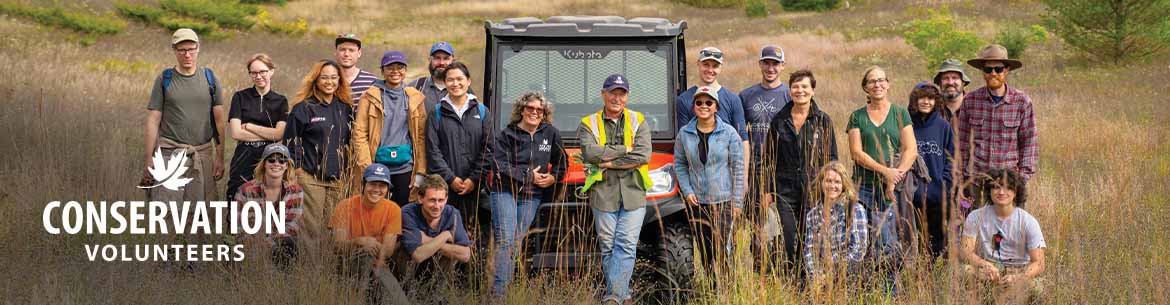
(629, 129)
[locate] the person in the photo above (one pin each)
(952, 80)
(459, 131)
(997, 127)
(528, 158)
(882, 146)
(433, 236)
(710, 64)
(256, 118)
(615, 148)
(347, 49)
(365, 236)
(936, 145)
(185, 115)
(800, 140)
(390, 128)
(318, 136)
(762, 101)
(273, 184)
(1002, 244)
(836, 228)
(432, 86)
(712, 176)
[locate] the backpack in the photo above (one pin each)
(169, 73)
(439, 108)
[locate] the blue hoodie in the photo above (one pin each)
(936, 145)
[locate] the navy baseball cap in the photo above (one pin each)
(616, 81)
(442, 46)
(377, 172)
(772, 52)
(393, 57)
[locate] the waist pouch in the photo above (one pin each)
(393, 155)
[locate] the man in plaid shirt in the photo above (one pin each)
(997, 128)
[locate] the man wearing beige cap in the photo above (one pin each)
(953, 81)
(185, 114)
(997, 129)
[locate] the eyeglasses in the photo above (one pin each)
(187, 51)
(258, 73)
(534, 110)
(329, 77)
(998, 69)
(275, 160)
(714, 54)
(877, 81)
(394, 68)
(705, 103)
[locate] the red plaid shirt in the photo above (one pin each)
(291, 194)
(997, 135)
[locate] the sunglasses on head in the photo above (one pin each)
(276, 160)
(998, 69)
(705, 103)
(706, 53)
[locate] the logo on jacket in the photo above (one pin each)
(168, 173)
(544, 146)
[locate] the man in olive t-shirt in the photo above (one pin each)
(179, 118)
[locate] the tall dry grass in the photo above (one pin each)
(73, 131)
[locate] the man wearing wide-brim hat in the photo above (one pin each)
(996, 125)
(953, 81)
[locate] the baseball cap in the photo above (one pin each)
(184, 34)
(711, 53)
(708, 91)
(274, 148)
(772, 52)
(442, 46)
(347, 37)
(393, 57)
(616, 81)
(377, 172)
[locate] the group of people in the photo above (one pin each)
(437, 177)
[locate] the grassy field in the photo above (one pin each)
(72, 123)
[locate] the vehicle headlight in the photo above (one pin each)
(663, 178)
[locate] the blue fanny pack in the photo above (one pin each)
(394, 155)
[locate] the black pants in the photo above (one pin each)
(400, 192)
(243, 165)
(790, 204)
(477, 217)
(711, 226)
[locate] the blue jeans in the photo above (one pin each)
(510, 221)
(886, 248)
(617, 234)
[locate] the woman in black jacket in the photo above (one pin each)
(527, 159)
(800, 141)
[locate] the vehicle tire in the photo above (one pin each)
(673, 268)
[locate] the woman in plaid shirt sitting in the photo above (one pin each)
(836, 228)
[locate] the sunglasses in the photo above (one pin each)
(533, 110)
(276, 160)
(706, 53)
(705, 103)
(999, 69)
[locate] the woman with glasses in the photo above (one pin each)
(318, 136)
(528, 159)
(388, 128)
(709, 162)
(883, 148)
(274, 184)
(256, 119)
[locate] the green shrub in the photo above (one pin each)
(202, 28)
(1016, 38)
(277, 2)
(711, 3)
(227, 13)
(809, 5)
(756, 8)
(937, 37)
(69, 19)
(1119, 32)
(296, 28)
(139, 12)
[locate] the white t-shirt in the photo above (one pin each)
(1020, 232)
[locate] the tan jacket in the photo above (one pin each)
(367, 129)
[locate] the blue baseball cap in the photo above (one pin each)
(393, 57)
(616, 81)
(772, 52)
(442, 46)
(377, 172)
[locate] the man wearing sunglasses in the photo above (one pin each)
(730, 106)
(997, 129)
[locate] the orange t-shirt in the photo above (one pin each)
(384, 218)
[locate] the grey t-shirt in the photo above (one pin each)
(394, 125)
(186, 112)
(1020, 231)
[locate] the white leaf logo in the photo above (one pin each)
(169, 174)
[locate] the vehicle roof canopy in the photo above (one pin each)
(585, 26)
